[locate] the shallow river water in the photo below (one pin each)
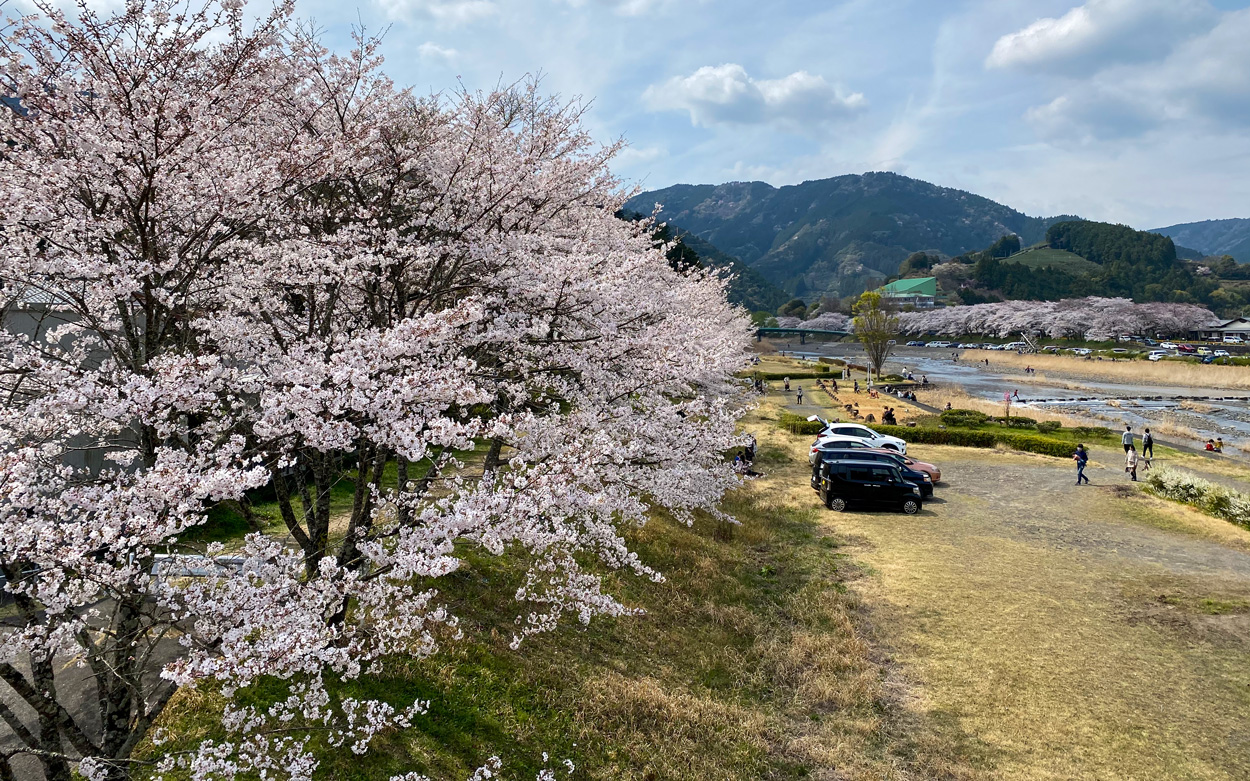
(1208, 412)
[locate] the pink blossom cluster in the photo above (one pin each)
(1083, 318)
(246, 261)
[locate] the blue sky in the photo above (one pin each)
(1125, 110)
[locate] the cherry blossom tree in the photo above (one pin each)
(1085, 318)
(234, 259)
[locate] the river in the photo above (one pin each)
(1209, 412)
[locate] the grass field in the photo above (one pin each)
(1056, 633)
(1016, 629)
(1056, 258)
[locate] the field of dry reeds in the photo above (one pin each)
(1185, 375)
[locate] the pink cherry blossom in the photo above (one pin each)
(234, 259)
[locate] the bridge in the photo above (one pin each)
(802, 333)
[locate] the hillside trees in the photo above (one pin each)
(255, 262)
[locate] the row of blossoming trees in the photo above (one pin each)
(1079, 318)
(253, 262)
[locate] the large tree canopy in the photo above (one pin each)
(234, 259)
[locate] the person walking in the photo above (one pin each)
(786, 383)
(835, 385)
(1081, 456)
(857, 386)
(1147, 445)
(799, 391)
(1127, 439)
(1130, 463)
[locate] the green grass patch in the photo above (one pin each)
(752, 640)
(1045, 257)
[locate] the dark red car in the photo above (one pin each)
(1188, 349)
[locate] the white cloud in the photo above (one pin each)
(447, 12)
(432, 51)
(623, 7)
(1205, 80)
(1101, 33)
(726, 94)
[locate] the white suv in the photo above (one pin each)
(864, 433)
(1233, 340)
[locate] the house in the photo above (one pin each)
(1218, 330)
(918, 293)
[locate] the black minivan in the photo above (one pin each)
(920, 479)
(871, 483)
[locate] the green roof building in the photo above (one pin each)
(924, 286)
(915, 293)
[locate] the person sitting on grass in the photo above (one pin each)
(1210, 446)
(1219, 444)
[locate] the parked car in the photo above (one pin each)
(970, 346)
(1204, 350)
(1014, 346)
(920, 479)
(914, 343)
(1157, 355)
(1234, 340)
(939, 344)
(1188, 349)
(931, 470)
(1222, 354)
(862, 432)
(1119, 351)
(1149, 342)
(844, 483)
(835, 442)
(1081, 350)
(1209, 359)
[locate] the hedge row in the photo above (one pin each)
(797, 424)
(1029, 443)
(821, 373)
(1212, 498)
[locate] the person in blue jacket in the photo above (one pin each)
(1081, 456)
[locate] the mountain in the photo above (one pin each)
(748, 288)
(1213, 237)
(1084, 258)
(837, 236)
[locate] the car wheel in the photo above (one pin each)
(836, 503)
(911, 506)
(889, 446)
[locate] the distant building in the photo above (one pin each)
(1218, 330)
(917, 293)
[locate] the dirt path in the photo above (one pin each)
(1064, 632)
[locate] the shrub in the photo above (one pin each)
(1093, 432)
(796, 424)
(1016, 422)
(1049, 426)
(963, 418)
(820, 373)
(1212, 498)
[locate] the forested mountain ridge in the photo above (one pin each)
(837, 236)
(1122, 262)
(1213, 237)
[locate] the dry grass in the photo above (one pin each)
(958, 399)
(1187, 375)
(1032, 627)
